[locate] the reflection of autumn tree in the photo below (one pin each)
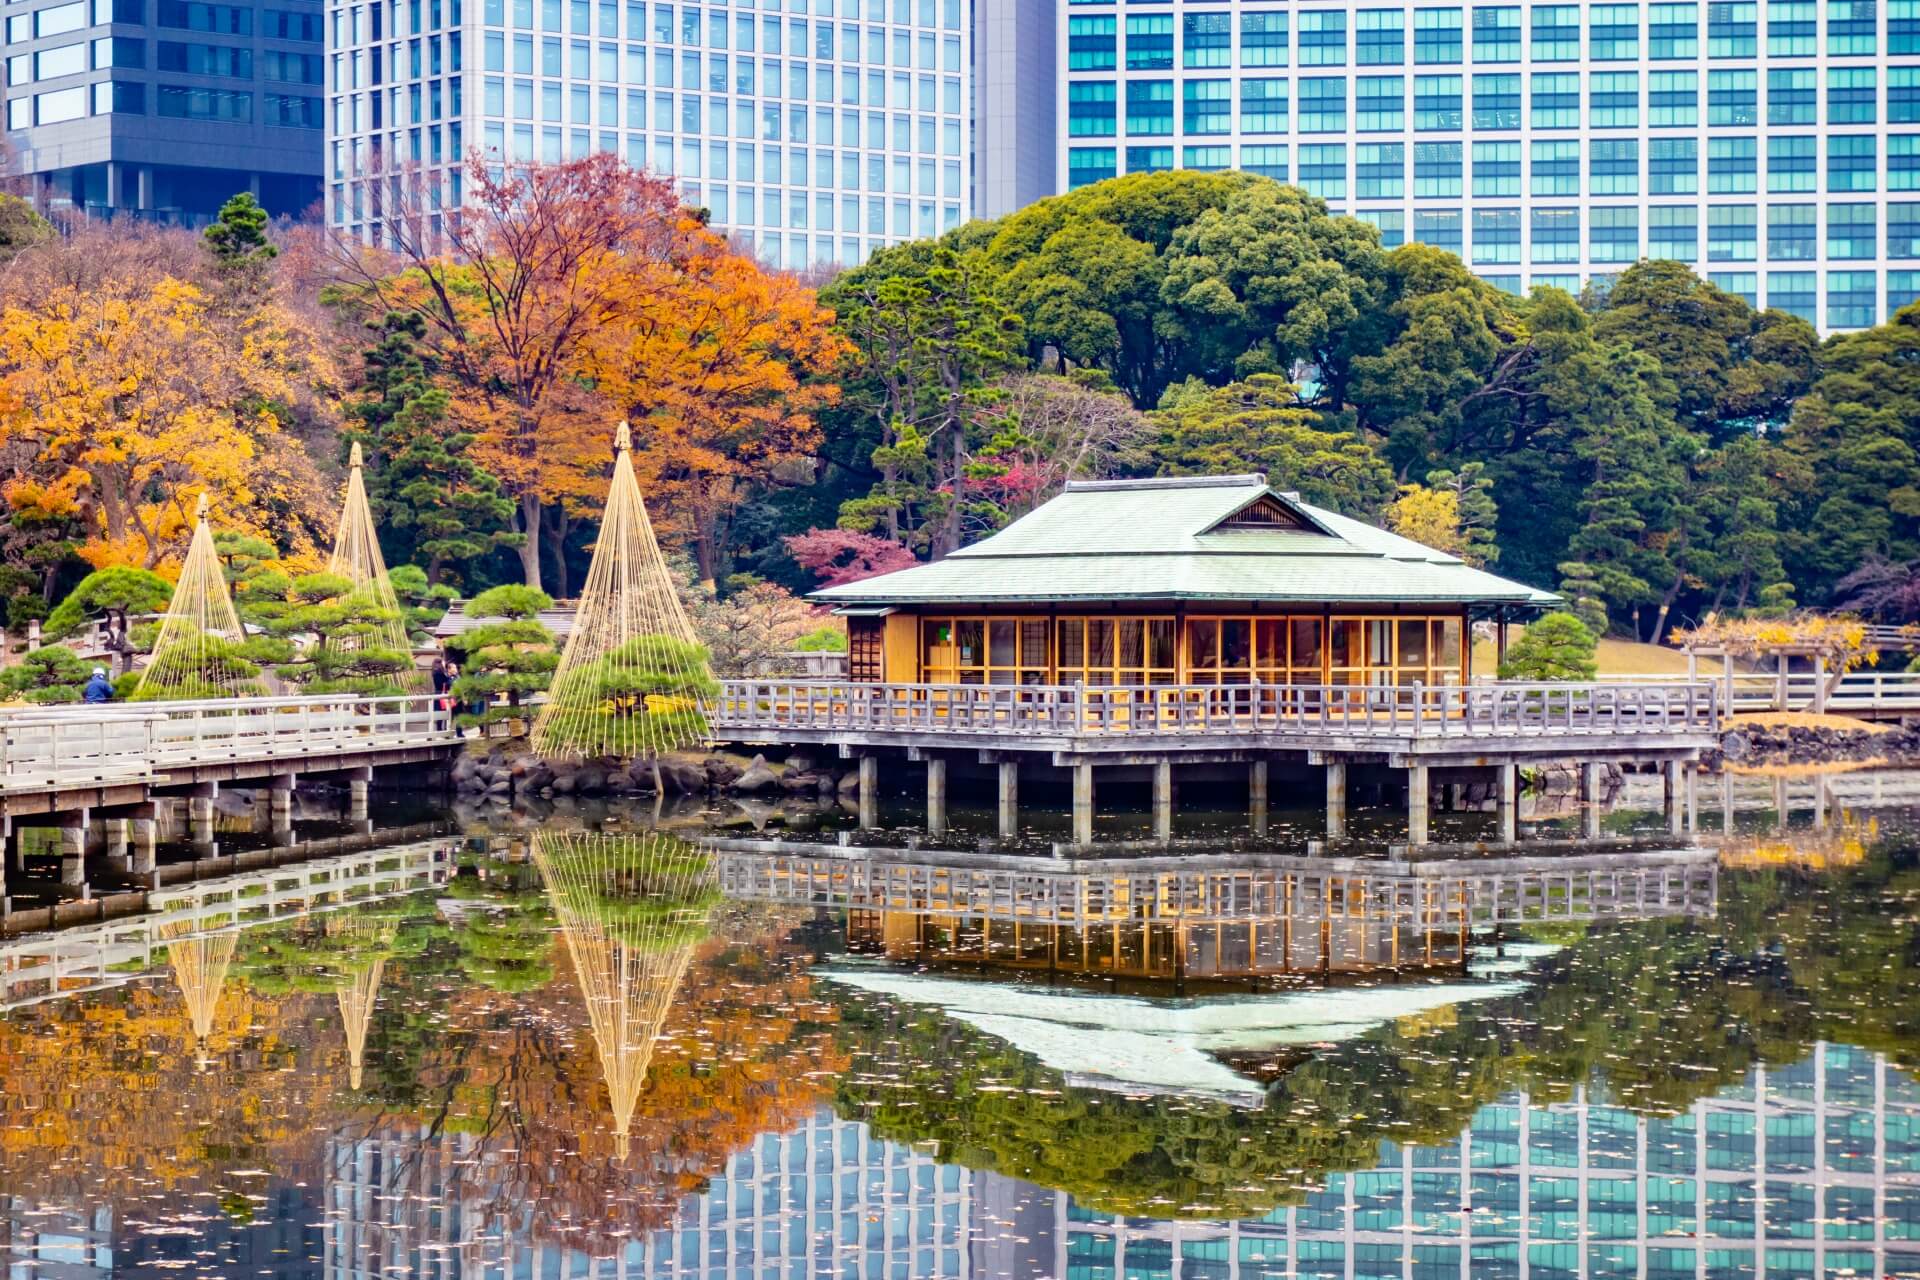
(504, 929)
(199, 962)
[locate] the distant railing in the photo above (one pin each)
(1745, 691)
(1411, 711)
(43, 747)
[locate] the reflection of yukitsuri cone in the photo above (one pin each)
(357, 558)
(356, 1012)
(189, 659)
(633, 909)
(629, 632)
(199, 965)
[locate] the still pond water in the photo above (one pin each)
(590, 1050)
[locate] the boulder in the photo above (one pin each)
(849, 782)
(758, 777)
(800, 762)
(683, 778)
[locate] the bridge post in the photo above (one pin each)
(1676, 814)
(117, 855)
(359, 780)
(200, 819)
(1590, 797)
(1819, 684)
(1082, 804)
(1417, 788)
(1508, 778)
(1726, 801)
(146, 844)
(1009, 799)
(280, 808)
(1257, 796)
(1163, 800)
(936, 795)
(869, 792)
(73, 850)
(1336, 799)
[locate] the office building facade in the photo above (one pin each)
(165, 108)
(814, 131)
(1773, 145)
(1016, 85)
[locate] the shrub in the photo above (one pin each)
(1557, 647)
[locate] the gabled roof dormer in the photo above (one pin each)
(1269, 510)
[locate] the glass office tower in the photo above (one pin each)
(1773, 145)
(813, 130)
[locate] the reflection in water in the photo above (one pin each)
(633, 909)
(835, 1065)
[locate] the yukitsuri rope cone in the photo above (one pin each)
(362, 987)
(633, 909)
(199, 963)
(197, 653)
(357, 558)
(631, 678)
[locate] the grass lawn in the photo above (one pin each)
(1616, 658)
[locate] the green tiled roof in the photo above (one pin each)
(1157, 540)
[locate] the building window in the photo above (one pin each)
(1437, 37)
(1380, 38)
(1496, 236)
(1263, 39)
(1614, 167)
(1850, 29)
(1149, 107)
(1091, 112)
(1149, 159)
(1555, 169)
(1614, 33)
(1851, 299)
(1850, 163)
(1732, 165)
(189, 15)
(183, 102)
(1903, 95)
(1614, 99)
(1556, 101)
(1269, 160)
(1436, 104)
(1150, 43)
(1744, 285)
(1206, 40)
(1496, 102)
(1379, 104)
(1792, 96)
(1794, 292)
(1090, 164)
(1903, 231)
(1323, 38)
(1673, 231)
(1390, 223)
(1732, 29)
(1556, 236)
(1673, 167)
(1323, 170)
(1206, 159)
(204, 59)
(1439, 228)
(1208, 106)
(60, 105)
(1673, 32)
(1496, 169)
(1436, 170)
(1793, 164)
(1792, 233)
(1733, 97)
(1090, 44)
(291, 111)
(1850, 96)
(1732, 233)
(1614, 234)
(1263, 106)
(1903, 162)
(1792, 30)
(1853, 232)
(1673, 99)
(1496, 34)
(1323, 104)
(1556, 33)
(1379, 171)
(1903, 31)
(120, 97)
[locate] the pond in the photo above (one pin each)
(597, 1047)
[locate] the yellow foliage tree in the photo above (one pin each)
(1430, 517)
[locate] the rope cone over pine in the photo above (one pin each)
(200, 963)
(367, 941)
(631, 679)
(197, 654)
(357, 558)
(633, 909)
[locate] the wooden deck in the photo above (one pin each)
(1092, 721)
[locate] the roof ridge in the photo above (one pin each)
(1243, 481)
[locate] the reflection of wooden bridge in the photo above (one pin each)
(56, 965)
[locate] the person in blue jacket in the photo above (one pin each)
(99, 688)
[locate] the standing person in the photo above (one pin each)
(442, 686)
(98, 688)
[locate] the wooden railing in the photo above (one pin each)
(1889, 691)
(1415, 711)
(42, 747)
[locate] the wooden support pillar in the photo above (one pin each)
(1676, 814)
(359, 783)
(1336, 799)
(1163, 800)
(280, 809)
(1819, 802)
(1780, 684)
(1782, 807)
(1692, 779)
(1082, 804)
(1820, 684)
(1417, 797)
(1009, 799)
(146, 845)
(1726, 801)
(1257, 796)
(200, 819)
(936, 795)
(1726, 684)
(73, 851)
(1590, 795)
(869, 792)
(118, 856)
(1507, 778)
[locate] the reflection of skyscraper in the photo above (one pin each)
(825, 1199)
(1810, 1170)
